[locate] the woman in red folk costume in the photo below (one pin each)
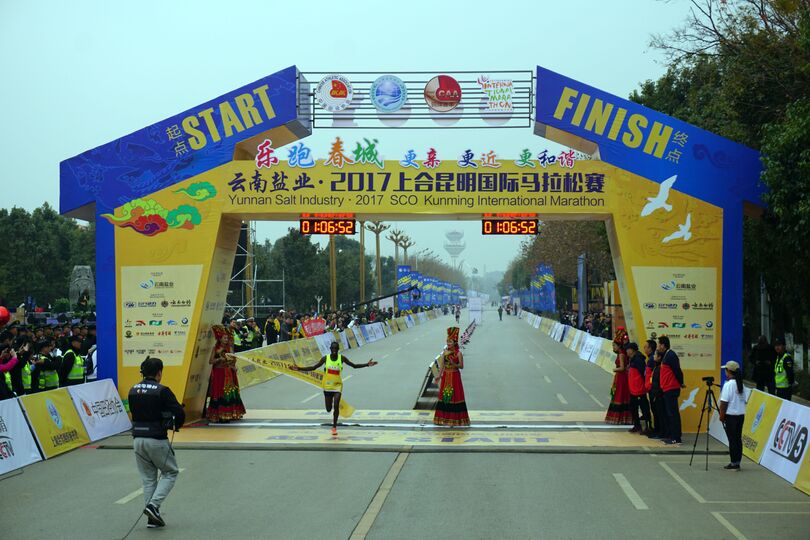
(225, 403)
(451, 409)
(619, 411)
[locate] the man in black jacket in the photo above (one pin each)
(154, 410)
(763, 357)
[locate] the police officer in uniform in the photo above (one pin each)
(154, 411)
(71, 371)
(783, 371)
(44, 368)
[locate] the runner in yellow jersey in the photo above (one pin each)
(332, 380)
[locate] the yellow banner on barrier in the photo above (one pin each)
(352, 340)
(55, 421)
(760, 414)
(260, 358)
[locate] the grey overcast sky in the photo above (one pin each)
(77, 74)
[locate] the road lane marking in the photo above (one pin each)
(596, 400)
(313, 396)
(547, 379)
(631, 493)
(689, 489)
(376, 504)
(126, 498)
(400, 348)
(562, 399)
(731, 528)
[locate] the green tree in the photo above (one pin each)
(302, 262)
(41, 249)
(741, 69)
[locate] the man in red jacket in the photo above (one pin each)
(637, 367)
(671, 384)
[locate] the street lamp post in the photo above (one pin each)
(377, 227)
(362, 261)
(396, 236)
(318, 298)
(406, 243)
(332, 272)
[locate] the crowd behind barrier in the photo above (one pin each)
(43, 425)
(47, 423)
(308, 350)
(776, 432)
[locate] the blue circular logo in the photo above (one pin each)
(758, 418)
(54, 413)
(388, 93)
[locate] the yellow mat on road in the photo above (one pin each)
(397, 438)
(422, 416)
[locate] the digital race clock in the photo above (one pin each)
(508, 226)
(313, 225)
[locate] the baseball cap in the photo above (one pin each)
(731, 365)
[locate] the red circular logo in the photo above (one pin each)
(442, 93)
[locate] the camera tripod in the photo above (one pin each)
(709, 404)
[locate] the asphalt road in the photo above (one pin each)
(243, 492)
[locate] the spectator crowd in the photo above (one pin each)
(45, 357)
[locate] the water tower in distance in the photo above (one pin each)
(455, 244)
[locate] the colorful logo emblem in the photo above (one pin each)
(388, 93)
(334, 93)
(442, 93)
(668, 285)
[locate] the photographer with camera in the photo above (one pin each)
(155, 410)
(732, 412)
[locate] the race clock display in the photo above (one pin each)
(508, 226)
(312, 225)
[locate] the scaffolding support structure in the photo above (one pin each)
(242, 301)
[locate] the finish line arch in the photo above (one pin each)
(168, 201)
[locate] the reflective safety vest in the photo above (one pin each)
(250, 337)
(780, 374)
(48, 379)
(26, 376)
(237, 338)
(77, 371)
(8, 379)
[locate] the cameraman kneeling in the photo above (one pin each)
(154, 411)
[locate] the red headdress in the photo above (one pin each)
(224, 339)
(452, 333)
(621, 336)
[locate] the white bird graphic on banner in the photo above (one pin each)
(660, 200)
(682, 232)
(690, 401)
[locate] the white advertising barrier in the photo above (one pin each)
(17, 445)
(409, 321)
(716, 429)
(536, 323)
(344, 340)
(324, 341)
(788, 442)
(421, 317)
(358, 335)
(576, 341)
(589, 348)
(100, 409)
(378, 330)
